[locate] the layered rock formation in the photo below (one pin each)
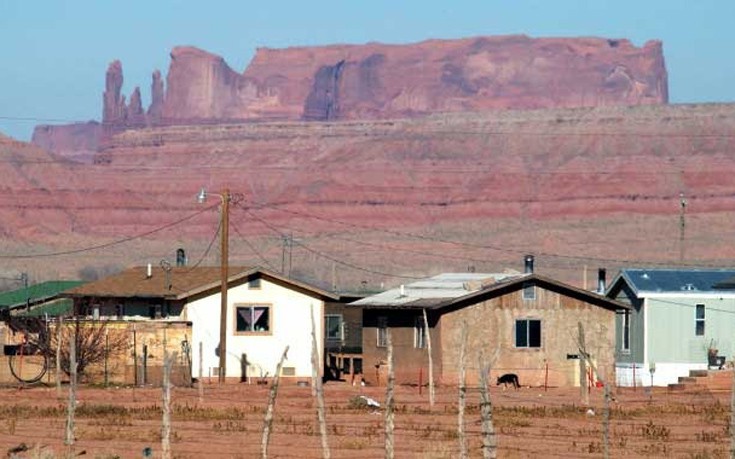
(563, 184)
(378, 81)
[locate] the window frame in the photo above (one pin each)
(252, 306)
(419, 333)
(341, 332)
(625, 332)
(700, 321)
(381, 329)
(528, 340)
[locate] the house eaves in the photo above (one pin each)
(517, 283)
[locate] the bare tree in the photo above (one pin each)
(90, 338)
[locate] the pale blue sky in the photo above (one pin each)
(54, 53)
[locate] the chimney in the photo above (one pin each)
(148, 271)
(601, 282)
(528, 262)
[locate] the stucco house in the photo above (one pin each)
(266, 313)
(676, 317)
(525, 324)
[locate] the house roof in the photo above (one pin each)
(457, 297)
(181, 282)
(35, 293)
(53, 308)
(432, 291)
(644, 281)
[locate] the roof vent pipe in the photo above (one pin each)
(528, 263)
(403, 290)
(601, 281)
(148, 271)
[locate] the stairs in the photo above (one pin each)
(700, 380)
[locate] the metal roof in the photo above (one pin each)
(434, 290)
(35, 293)
(669, 280)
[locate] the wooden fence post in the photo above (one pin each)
(389, 400)
(462, 396)
(317, 389)
(584, 393)
(732, 417)
(268, 422)
(584, 355)
(166, 408)
(489, 440)
(200, 381)
(71, 407)
(59, 326)
(431, 360)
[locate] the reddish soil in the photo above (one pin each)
(531, 422)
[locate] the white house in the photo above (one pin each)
(265, 313)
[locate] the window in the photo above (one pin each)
(699, 320)
(382, 331)
(333, 326)
(528, 333)
(625, 342)
(529, 291)
(254, 283)
(252, 319)
(419, 333)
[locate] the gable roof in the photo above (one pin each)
(35, 293)
(647, 281)
(181, 282)
(432, 291)
(504, 285)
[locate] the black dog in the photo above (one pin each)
(509, 378)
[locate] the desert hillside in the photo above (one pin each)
(382, 200)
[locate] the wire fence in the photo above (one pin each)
(228, 422)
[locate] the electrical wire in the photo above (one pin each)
(328, 257)
(252, 247)
(473, 245)
(108, 244)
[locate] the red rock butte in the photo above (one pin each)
(379, 81)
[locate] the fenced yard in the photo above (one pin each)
(228, 422)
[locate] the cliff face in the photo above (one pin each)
(585, 182)
(379, 81)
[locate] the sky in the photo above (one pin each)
(54, 53)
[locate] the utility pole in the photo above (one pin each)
(224, 243)
(225, 198)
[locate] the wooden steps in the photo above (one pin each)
(699, 380)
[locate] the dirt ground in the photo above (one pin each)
(228, 422)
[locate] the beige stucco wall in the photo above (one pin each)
(491, 330)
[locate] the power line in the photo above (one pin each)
(252, 247)
(328, 257)
(108, 244)
(472, 245)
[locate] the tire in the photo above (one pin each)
(28, 369)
